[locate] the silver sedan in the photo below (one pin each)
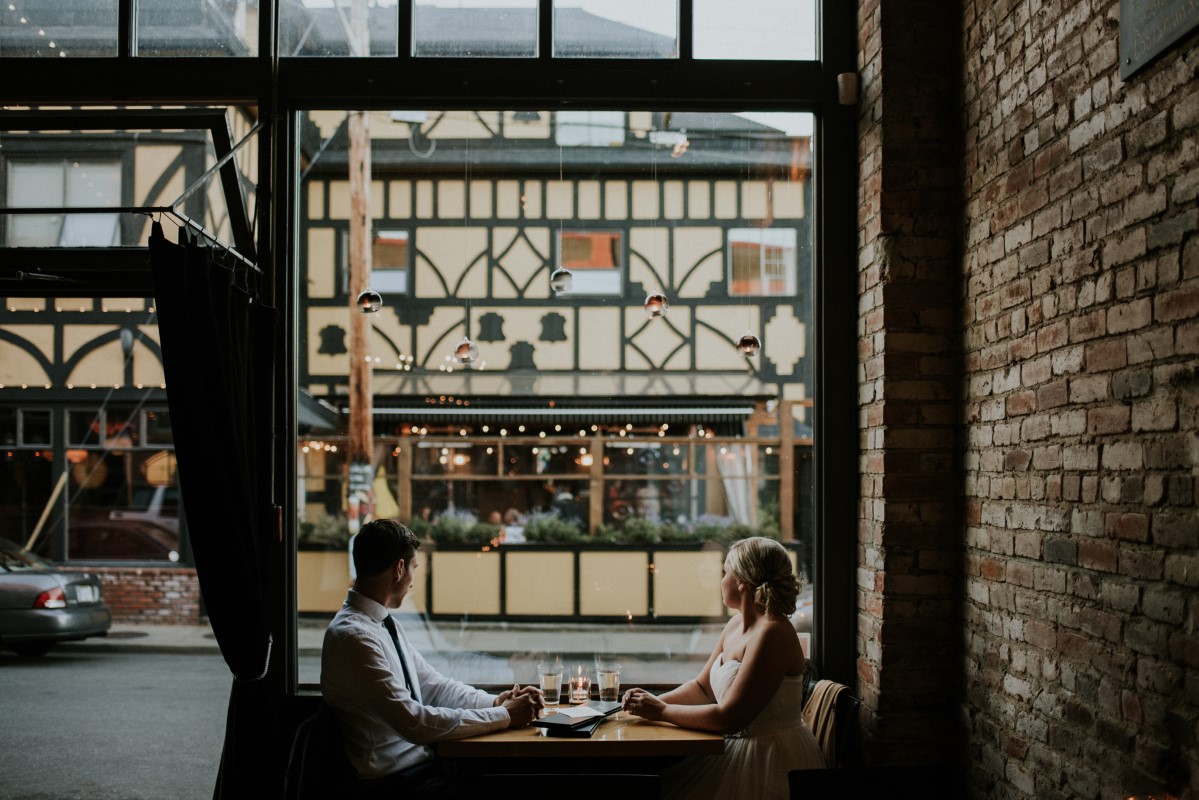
(42, 605)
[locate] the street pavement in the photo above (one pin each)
(486, 653)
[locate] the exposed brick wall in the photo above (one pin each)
(909, 537)
(1081, 324)
(158, 595)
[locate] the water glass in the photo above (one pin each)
(550, 678)
(609, 682)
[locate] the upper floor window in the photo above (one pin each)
(762, 261)
(63, 184)
(590, 129)
(594, 259)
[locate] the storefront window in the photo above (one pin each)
(595, 420)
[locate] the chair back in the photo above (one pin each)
(831, 713)
(318, 766)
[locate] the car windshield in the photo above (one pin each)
(14, 559)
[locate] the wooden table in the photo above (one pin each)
(622, 736)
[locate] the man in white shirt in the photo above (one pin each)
(391, 704)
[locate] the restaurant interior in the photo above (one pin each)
(584, 292)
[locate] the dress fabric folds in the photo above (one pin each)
(756, 761)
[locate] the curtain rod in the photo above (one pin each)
(184, 219)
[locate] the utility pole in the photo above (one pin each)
(361, 430)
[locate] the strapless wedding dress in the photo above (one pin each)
(756, 760)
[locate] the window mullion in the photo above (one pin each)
(126, 28)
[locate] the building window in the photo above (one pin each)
(590, 129)
(63, 184)
(594, 259)
(761, 261)
(389, 262)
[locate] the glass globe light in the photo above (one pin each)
(749, 344)
(656, 304)
(369, 302)
(466, 352)
(561, 280)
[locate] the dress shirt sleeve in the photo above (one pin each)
(439, 690)
(368, 681)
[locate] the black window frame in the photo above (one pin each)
(281, 87)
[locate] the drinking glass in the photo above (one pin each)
(609, 682)
(550, 677)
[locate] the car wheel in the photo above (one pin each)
(32, 649)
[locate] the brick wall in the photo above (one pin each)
(151, 595)
(909, 559)
(1081, 391)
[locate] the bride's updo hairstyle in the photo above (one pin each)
(763, 565)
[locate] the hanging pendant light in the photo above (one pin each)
(369, 302)
(561, 280)
(749, 344)
(466, 352)
(656, 304)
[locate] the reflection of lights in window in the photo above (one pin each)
(769, 450)
(629, 451)
(724, 451)
(536, 450)
(676, 451)
(520, 428)
(541, 434)
(594, 428)
(485, 429)
(587, 460)
(460, 459)
(490, 450)
(557, 427)
(503, 431)
(443, 460)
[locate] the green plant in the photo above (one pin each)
(461, 528)
(421, 527)
(552, 529)
(323, 533)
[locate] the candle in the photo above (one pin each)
(580, 687)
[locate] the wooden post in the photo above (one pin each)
(786, 471)
(361, 428)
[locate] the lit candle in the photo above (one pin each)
(580, 687)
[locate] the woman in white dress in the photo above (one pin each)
(751, 688)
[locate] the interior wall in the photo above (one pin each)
(1081, 391)
(909, 534)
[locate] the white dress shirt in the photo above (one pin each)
(384, 728)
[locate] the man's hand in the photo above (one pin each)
(523, 708)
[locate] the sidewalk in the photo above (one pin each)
(500, 639)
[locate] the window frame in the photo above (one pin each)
(281, 86)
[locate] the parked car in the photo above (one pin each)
(41, 606)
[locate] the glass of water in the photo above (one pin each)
(609, 681)
(550, 677)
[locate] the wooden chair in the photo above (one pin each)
(831, 712)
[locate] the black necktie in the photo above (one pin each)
(390, 624)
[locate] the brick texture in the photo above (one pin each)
(1028, 536)
(151, 595)
(1080, 211)
(909, 553)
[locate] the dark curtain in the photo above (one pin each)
(217, 350)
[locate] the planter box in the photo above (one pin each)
(323, 576)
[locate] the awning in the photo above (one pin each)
(630, 388)
(316, 414)
(500, 414)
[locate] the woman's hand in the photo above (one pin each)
(641, 703)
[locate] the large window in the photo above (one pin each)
(597, 430)
(63, 183)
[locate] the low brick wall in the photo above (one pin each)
(153, 595)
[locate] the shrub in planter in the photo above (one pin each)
(461, 528)
(553, 529)
(323, 533)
